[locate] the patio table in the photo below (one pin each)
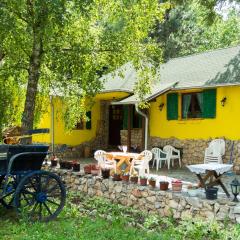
(213, 171)
(124, 158)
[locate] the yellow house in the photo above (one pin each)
(195, 99)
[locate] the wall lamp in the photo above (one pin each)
(161, 106)
(223, 101)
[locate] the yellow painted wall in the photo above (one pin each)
(226, 124)
(74, 137)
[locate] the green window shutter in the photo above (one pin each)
(172, 106)
(125, 116)
(89, 122)
(209, 103)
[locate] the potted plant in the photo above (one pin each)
(176, 185)
(163, 185)
(134, 178)
(125, 177)
(152, 182)
(105, 173)
(87, 169)
(76, 166)
(95, 169)
(54, 161)
(117, 177)
(63, 164)
(143, 180)
(211, 193)
(68, 165)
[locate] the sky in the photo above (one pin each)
(224, 8)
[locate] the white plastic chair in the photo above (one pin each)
(103, 162)
(142, 165)
(159, 156)
(215, 151)
(173, 154)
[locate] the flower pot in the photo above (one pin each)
(134, 179)
(164, 186)
(94, 166)
(87, 169)
(76, 167)
(176, 186)
(117, 177)
(125, 178)
(105, 173)
(152, 183)
(54, 163)
(94, 172)
(68, 165)
(211, 193)
(143, 181)
(64, 165)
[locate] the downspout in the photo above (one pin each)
(52, 123)
(146, 125)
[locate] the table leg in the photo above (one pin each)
(202, 181)
(218, 179)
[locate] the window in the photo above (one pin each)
(80, 125)
(192, 105)
(83, 124)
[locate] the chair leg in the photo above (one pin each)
(180, 164)
(160, 162)
(157, 164)
(153, 162)
(168, 163)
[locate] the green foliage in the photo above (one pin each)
(78, 41)
(97, 218)
(186, 30)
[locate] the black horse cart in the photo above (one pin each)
(35, 194)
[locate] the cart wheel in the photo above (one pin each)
(7, 199)
(40, 196)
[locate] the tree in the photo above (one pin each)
(186, 31)
(64, 45)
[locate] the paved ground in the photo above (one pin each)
(178, 173)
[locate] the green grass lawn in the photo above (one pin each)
(95, 218)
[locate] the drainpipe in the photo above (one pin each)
(52, 123)
(146, 126)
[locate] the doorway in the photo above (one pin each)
(115, 124)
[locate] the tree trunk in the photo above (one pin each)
(32, 86)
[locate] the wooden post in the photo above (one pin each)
(129, 128)
(143, 133)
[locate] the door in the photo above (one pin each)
(115, 124)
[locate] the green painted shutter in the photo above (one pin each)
(209, 103)
(125, 116)
(172, 106)
(89, 122)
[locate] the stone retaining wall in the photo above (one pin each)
(164, 203)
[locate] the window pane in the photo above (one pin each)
(192, 105)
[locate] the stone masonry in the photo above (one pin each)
(164, 203)
(193, 149)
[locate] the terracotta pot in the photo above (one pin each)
(117, 177)
(95, 172)
(125, 178)
(87, 169)
(164, 186)
(176, 187)
(134, 179)
(105, 173)
(54, 163)
(94, 166)
(143, 181)
(76, 167)
(152, 183)
(65, 165)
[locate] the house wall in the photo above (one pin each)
(74, 137)
(226, 124)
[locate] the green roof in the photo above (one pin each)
(213, 68)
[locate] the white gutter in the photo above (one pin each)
(146, 126)
(52, 123)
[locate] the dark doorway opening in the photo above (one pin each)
(115, 124)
